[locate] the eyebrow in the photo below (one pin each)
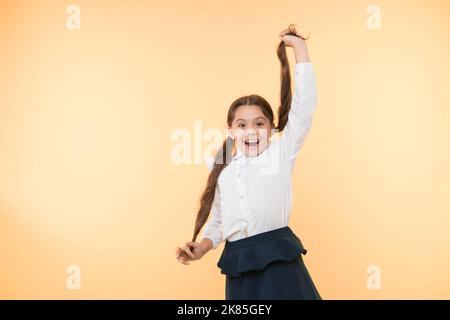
(255, 119)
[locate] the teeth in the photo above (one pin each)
(255, 142)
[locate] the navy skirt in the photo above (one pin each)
(268, 266)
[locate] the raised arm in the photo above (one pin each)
(304, 100)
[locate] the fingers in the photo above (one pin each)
(178, 252)
(184, 261)
(181, 256)
(282, 33)
(193, 244)
(292, 28)
(184, 254)
(188, 251)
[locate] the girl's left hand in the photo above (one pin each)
(290, 40)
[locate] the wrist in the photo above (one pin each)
(299, 45)
(301, 56)
(206, 244)
(301, 52)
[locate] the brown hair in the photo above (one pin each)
(224, 154)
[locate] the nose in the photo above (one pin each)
(251, 132)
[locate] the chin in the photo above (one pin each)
(254, 153)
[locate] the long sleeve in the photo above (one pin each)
(303, 104)
(213, 227)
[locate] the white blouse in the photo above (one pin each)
(253, 194)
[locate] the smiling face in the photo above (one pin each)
(251, 129)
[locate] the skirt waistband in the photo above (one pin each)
(258, 238)
(258, 251)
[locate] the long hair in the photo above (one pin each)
(224, 154)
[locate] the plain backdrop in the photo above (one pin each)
(86, 118)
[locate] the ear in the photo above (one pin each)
(272, 129)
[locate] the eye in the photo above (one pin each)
(241, 125)
(260, 124)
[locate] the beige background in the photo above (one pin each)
(86, 116)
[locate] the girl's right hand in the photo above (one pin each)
(190, 252)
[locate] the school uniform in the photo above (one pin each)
(262, 257)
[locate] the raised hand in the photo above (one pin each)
(292, 39)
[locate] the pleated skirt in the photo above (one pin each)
(269, 266)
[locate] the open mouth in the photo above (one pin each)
(252, 143)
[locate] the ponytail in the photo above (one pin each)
(222, 158)
(285, 91)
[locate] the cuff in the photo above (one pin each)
(215, 242)
(299, 67)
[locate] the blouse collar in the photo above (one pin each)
(238, 154)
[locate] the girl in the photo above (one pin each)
(249, 190)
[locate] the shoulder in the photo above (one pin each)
(276, 147)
